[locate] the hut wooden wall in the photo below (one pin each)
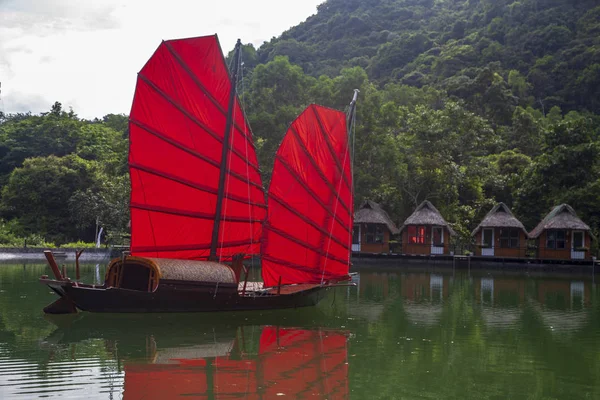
(499, 251)
(423, 249)
(562, 254)
(377, 248)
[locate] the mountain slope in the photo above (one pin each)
(554, 45)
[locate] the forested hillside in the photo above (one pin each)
(462, 103)
(547, 51)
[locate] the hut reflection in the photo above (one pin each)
(501, 299)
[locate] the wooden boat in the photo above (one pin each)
(198, 206)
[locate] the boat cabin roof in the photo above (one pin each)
(141, 272)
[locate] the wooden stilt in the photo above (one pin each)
(246, 272)
(77, 255)
(53, 265)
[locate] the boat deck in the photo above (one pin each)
(251, 286)
(287, 289)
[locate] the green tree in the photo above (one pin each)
(37, 195)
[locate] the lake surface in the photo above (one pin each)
(401, 334)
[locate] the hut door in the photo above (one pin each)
(437, 240)
(356, 238)
(487, 243)
(577, 252)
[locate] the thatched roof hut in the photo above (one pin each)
(372, 213)
(561, 217)
(500, 217)
(427, 214)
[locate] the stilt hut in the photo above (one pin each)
(426, 231)
(500, 234)
(562, 235)
(373, 229)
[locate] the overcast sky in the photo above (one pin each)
(86, 53)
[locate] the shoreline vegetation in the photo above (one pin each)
(8, 254)
(462, 104)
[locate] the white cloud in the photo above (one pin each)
(86, 54)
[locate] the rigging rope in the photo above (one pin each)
(230, 144)
(245, 132)
(338, 195)
(250, 213)
(335, 211)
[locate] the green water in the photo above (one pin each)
(399, 335)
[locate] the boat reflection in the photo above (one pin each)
(221, 361)
(289, 362)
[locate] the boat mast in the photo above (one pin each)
(350, 119)
(350, 115)
(225, 152)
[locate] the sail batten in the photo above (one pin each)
(195, 154)
(331, 150)
(177, 127)
(314, 164)
(310, 275)
(190, 214)
(312, 193)
(307, 236)
(192, 185)
(190, 246)
(304, 244)
(207, 93)
(196, 121)
(305, 219)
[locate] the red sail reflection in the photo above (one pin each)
(289, 362)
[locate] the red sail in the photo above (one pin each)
(308, 235)
(177, 125)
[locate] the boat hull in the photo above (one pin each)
(174, 297)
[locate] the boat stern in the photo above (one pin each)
(64, 305)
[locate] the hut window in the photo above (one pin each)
(555, 240)
(374, 233)
(416, 234)
(509, 238)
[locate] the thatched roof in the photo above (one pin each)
(372, 213)
(561, 217)
(500, 217)
(427, 214)
(182, 270)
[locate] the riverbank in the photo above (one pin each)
(7, 254)
(529, 267)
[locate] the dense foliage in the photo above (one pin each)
(60, 175)
(546, 51)
(463, 103)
